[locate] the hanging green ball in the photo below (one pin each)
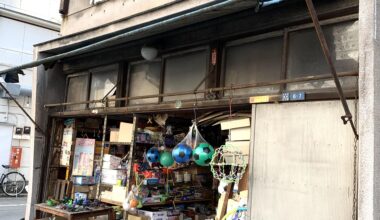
(203, 154)
(166, 159)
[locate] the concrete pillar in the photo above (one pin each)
(48, 87)
(369, 110)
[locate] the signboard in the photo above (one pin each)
(15, 160)
(259, 99)
(67, 141)
(83, 157)
(293, 96)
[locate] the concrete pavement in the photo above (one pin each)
(12, 208)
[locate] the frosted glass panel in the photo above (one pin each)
(306, 57)
(144, 80)
(77, 91)
(259, 61)
(103, 81)
(184, 73)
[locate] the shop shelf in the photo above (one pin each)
(108, 201)
(176, 202)
(117, 143)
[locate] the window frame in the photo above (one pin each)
(128, 81)
(205, 48)
(82, 73)
(248, 40)
(285, 34)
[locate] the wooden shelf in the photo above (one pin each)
(111, 202)
(176, 202)
(117, 143)
(147, 143)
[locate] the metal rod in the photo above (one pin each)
(322, 40)
(233, 87)
(112, 40)
(22, 109)
(101, 156)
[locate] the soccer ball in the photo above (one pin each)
(153, 155)
(203, 154)
(182, 153)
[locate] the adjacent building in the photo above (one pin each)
(22, 24)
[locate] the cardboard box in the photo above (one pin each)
(114, 135)
(119, 193)
(134, 217)
(112, 176)
(242, 146)
(83, 180)
(159, 215)
(125, 132)
(98, 148)
(109, 165)
(241, 134)
(111, 158)
(235, 123)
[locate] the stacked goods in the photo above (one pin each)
(110, 173)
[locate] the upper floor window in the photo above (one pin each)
(252, 62)
(103, 83)
(144, 79)
(184, 72)
(94, 84)
(305, 55)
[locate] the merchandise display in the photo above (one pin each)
(166, 159)
(153, 155)
(228, 164)
(164, 172)
(203, 154)
(182, 153)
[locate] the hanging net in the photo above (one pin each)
(228, 164)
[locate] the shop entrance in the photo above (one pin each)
(141, 165)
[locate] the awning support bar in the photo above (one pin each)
(322, 40)
(22, 108)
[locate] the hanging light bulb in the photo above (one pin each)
(149, 53)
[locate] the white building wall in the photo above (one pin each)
(16, 47)
(44, 9)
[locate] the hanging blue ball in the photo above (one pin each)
(153, 155)
(182, 153)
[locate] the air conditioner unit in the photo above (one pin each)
(14, 90)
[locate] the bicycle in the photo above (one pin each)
(12, 183)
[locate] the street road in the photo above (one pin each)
(12, 208)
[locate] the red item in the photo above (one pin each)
(15, 160)
(136, 168)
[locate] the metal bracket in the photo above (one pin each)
(322, 40)
(346, 118)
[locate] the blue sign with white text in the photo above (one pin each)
(293, 96)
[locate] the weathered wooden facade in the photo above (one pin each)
(215, 61)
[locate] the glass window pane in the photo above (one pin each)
(254, 62)
(184, 73)
(77, 91)
(306, 57)
(103, 80)
(144, 80)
